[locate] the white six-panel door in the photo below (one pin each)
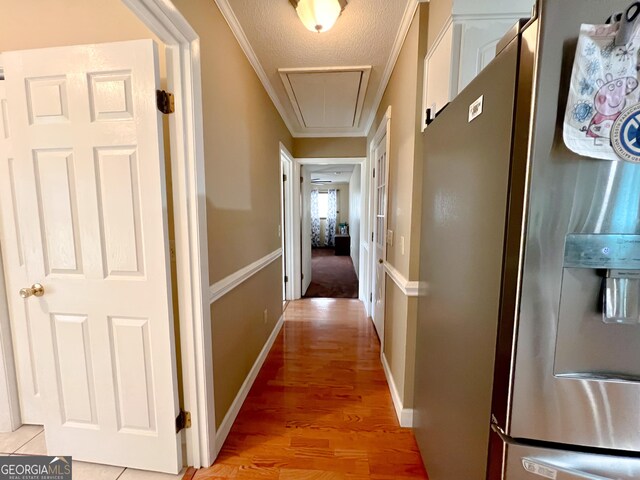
(89, 178)
(16, 275)
(380, 238)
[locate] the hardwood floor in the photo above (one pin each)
(320, 408)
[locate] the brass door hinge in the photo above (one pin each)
(164, 101)
(284, 177)
(183, 420)
(286, 279)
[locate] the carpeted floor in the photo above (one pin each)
(332, 276)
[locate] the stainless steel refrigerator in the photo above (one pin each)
(520, 373)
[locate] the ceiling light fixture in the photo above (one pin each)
(319, 15)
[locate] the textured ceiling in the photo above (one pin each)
(363, 35)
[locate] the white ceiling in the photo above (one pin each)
(368, 33)
(330, 173)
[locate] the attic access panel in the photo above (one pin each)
(327, 97)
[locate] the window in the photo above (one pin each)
(323, 204)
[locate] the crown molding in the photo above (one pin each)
(409, 13)
(238, 32)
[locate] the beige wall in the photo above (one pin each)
(439, 13)
(240, 332)
(242, 132)
(56, 23)
(404, 95)
(337, 147)
(395, 332)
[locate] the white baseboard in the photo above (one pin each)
(405, 415)
(234, 409)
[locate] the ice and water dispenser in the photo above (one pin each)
(599, 317)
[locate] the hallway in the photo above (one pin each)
(320, 407)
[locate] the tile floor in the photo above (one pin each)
(29, 440)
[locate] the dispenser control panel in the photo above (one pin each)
(606, 251)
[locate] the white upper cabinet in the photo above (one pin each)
(466, 43)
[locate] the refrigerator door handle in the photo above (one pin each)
(545, 469)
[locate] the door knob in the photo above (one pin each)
(380, 260)
(36, 290)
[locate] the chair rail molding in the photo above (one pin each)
(224, 286)
(409, 288)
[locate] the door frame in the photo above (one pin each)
(187, 166)
(286, 217)
(294, 208)
(10, 418)
(384, 129)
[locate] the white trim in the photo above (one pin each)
(330, 161)
(409, 288)
(440, 36)
(9, 402)
(238, 32)
(187, 164)
(328, 132)
(384, 128)
(297, 214)
(470, 17)
(288, 243)
(409, 12)
(10, 415)
(405, 415)
(234, 409)
(224, 286)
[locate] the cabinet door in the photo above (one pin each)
(441, 68)
(478, 41)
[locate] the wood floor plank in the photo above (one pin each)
(320, 408)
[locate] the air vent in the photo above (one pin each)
(327, 97)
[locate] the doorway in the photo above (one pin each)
(286, 222)
(187, 167)
(378, 197)
(334, 189)
(340, 184)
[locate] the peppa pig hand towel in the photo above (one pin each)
(604, 84)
